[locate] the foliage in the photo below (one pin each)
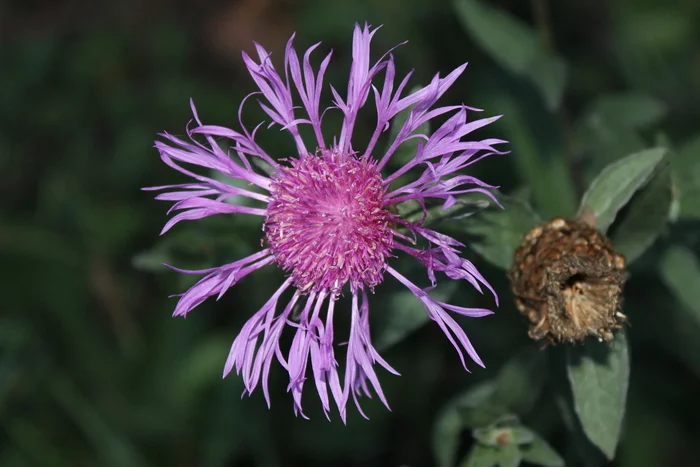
(93, 371)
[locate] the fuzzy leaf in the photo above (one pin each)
(617, 183)
(488, 456)
(450, 422)
(521, 380)
(481, 415)
(680, 271)
(539, 452)
(497, 436)
(521, 435)
(599, 377)
(644, 217)
(685, 165)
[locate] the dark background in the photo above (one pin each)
(95, 372)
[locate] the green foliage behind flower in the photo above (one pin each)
(600, 100)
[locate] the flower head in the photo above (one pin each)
(326, 222)
(328, 217)
(567, 280)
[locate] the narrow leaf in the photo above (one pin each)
(114, 449)
(481, 456)
(521, 435)
(685, 165)
(488, 456)
(499, 436)
(450, 424)
(513, 44)
(539, 452)
(644, 217)
(599, 377)
(680, 271)
(616, 184)
(521, 380)
(35, 443)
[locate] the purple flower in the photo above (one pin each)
(328, 217)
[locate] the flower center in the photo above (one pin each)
(326, 222)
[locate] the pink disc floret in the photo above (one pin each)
(326, 223)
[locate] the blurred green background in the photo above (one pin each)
(95, 372)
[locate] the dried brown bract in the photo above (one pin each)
(567, 281)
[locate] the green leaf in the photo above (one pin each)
(481, 456)
(578, 443)
(538, 152)
(615, 185)
(521, 435)
(446, 437)
(644, 217)
(685, 165)
(601, 146)
(450, 422)
(111, 446)
(488, 456)
(498, 231)
(200, 369)
(539, 452)
(36, 443)
(521, 380)
(405, 313)
(29, 242)
(481, 415)
(490, 435)
(153, 260)
(610, 127)
(680, 271)
(12, 370)
(516, 47)
(625, 110)
(549, 74)
(513, 44)
(599, 376)
(498, 436)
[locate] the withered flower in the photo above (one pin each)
(567, 280)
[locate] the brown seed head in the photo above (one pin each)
(567, 281)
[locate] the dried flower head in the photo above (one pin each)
(329, 217)
(567, 281)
